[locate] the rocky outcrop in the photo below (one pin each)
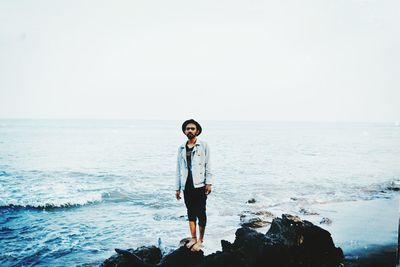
(142, 256)
(255, 219)
(290, 241)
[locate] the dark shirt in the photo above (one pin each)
(189, 181)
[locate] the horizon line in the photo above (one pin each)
(396, 122)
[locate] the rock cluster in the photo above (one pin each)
(290, 241)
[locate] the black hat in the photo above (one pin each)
(191, 121)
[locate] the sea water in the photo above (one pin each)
(73, 190)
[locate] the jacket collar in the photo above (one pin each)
(198, 143)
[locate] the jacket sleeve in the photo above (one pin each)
(208, 172)
(178, 172)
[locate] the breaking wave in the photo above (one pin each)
(78, 201)
(87, 198)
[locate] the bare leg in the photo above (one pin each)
(199, 243)
(201, 230)
(192, 226)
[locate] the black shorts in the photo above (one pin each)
(195, 201)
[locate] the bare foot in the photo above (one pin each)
(198, 246)
(191, 242)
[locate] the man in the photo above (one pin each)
(193, 176)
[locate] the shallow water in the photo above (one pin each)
(72, 191)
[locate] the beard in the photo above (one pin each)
(190, 135)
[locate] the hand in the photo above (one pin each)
(178, 194)
(208, 189)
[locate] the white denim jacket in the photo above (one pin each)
(201, 168)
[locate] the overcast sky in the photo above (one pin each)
(321, 60)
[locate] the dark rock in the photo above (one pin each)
(142, 256)
(307, 212)
(182, 257)
(251, 201)
(285, 230)
(222, 259)
(290, 241)
(325, 221)
(158, 217)
(255, 219)
(226, 245)
(393, 188)
(184, 241)
(254, 223)
(264, 213)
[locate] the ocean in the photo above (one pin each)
(73, 190)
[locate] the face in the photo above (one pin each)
(191, 130)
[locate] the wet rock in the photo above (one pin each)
(252, 214)
(307, 212)
(325, 221)
(182, 257)
(290, 241)
(393, 188)
(255, 223)
(264, 213)
(222, 259)
(142, 256)
(255, 219)
(184, 241)
(159, 217)
(251, 201)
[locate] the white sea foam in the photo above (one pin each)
(53, 202)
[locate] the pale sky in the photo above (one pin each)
(321, 60)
